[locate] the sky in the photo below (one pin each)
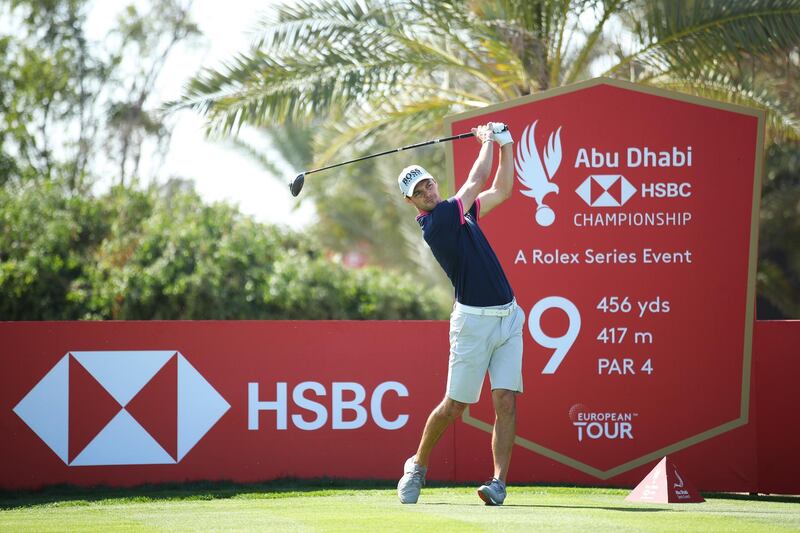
(220, 172)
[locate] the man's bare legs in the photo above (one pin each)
(494, 492)
(415, 468)
(505, 425)
(438, 421)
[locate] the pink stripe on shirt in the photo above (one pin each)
(460, 209)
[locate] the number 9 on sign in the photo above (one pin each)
(561, 344)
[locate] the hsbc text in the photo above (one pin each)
(666, 190)
(347, 413)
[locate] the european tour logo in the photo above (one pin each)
(596, 425)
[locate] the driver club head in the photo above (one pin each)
(297, 184)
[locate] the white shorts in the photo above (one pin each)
(479, 343)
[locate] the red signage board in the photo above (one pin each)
(125, 403)
(630, 241)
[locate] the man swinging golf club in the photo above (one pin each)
(486, 323)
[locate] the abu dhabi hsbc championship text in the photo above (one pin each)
(659, 218)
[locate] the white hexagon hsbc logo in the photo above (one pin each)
(122, 408)
(605, 190)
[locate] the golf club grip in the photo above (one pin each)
(394, 150)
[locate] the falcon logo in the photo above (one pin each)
(122, 408)
(537, 172)
(605, 190)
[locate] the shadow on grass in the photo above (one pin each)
(623, 509)
(778, 498)
(197, 490)
(541, 506)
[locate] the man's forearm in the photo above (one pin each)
(482, 166)
(504, 177)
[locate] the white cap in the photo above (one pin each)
(410, 176)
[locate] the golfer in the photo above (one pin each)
(486, 323)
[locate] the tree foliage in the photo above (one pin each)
(161, 253)
(71, 110)
(779, 253)
(46, 238)
(68, 104)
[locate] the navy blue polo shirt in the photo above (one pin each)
(462, 250)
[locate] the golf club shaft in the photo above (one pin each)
(410, 146)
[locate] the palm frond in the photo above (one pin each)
(417, 119)
(579, 64)
(782, 121)
(312, 64)
(692, 35)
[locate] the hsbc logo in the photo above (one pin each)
(122, 408)
(605, 190)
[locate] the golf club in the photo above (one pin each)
(296, 184)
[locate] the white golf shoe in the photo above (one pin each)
(412, 481)
(493, 492)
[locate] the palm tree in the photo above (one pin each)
(372, 73)
(404, 65)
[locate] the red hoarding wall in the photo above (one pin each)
(777, 366)
(277, 356)
(342, 399)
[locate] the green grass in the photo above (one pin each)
(326, 505)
